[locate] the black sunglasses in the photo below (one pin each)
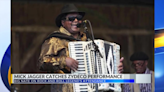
(139, 64)
(72, 18)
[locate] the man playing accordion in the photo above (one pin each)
(54, 56)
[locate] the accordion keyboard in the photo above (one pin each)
(77, 53)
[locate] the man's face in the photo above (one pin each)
(71, 21)
(139, 66)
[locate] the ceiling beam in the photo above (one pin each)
(42, 29)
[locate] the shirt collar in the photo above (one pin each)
(147, 71)
(82, 35)
(63, 30)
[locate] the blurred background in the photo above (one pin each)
(159, 45)
(129, 23)
(159, 57)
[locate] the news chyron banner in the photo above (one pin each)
(79, 78)
(159, 45)
(5, 31)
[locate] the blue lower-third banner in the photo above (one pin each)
(61, 81)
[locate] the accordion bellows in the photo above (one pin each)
(83, 52)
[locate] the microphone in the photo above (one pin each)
(83, 23)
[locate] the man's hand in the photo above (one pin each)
(120, 66)
(71, 63)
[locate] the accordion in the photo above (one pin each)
(83, 52)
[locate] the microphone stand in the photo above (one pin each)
(96, 50)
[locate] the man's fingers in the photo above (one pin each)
(122, 58)
(120, 71)
(77, 62)
(120, 66)
(75, 66)
(72, 68)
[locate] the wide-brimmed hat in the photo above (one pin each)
(69, 8)
(139, 56)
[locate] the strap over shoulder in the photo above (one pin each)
(61, 36)
(153, 84)
(135, 87)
